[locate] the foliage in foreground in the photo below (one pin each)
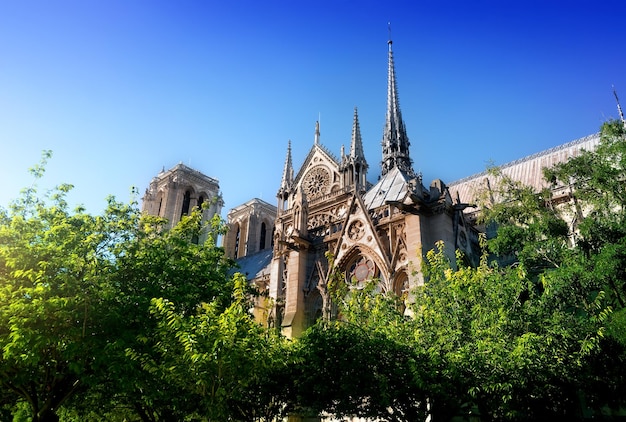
(75, 307)
(113, 317)
(575, 251)
(504, 348)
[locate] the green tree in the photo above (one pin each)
(529, 230)
(502, 346)
(75, 292)
(217, 357)
(361, 363)
(55, 268)
(343, 370)
(168, 264)
(574, 252)
(597, 213)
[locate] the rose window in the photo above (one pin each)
(316, 182)
(361, 271)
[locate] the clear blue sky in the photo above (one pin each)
(120, 89)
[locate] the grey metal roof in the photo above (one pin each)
(528, 170)
(391, 187)
(256, 265)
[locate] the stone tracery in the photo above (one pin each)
(316, 182)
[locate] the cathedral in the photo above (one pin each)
(328, 217)
(327, 212)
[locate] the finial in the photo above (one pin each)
(317, 132)
(389, 29)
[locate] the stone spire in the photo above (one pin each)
(356, 144)
(287, 180)
(395, 140)
(354, 166)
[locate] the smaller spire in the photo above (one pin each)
(317, 132)
(287, 180)
(354, 166)
(356, 144)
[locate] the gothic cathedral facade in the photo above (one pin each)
(328, 217)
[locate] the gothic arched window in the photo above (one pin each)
(186, 203)
(237, 236)
(401, 284)
(263, 236)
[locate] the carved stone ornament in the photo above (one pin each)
(356, 230)
(316, 182)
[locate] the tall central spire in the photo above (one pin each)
(395, 140)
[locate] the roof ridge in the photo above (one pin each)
(529, 157)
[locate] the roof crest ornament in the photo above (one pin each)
(317, 132)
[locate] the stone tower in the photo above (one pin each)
(250, 229)
(175, 192)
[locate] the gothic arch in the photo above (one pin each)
(189, 200)
(234, 233)
(360, 259)
(400, 285)
(262, 235)
(160, 203)
(202, 198)
(313, 307)
(266, 234)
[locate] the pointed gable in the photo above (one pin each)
(359, 233)
(319, 174)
